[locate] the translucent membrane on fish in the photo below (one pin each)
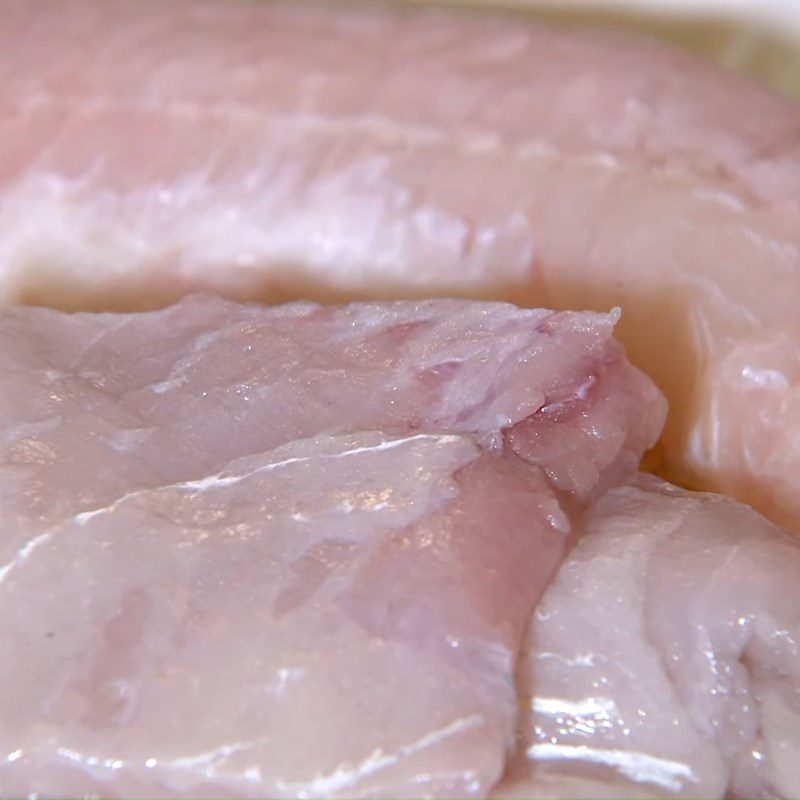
(289, 552)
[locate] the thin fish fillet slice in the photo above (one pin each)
(664, 660)
(273, 152)
(293, 551)
(175, 395)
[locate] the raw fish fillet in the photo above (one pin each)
(289, 552)
(153, 148)
(664, 659)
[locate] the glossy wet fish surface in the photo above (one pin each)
(392, 546)
(278, 152)
(291, 551)
(664, 659)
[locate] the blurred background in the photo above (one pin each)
(758, 37)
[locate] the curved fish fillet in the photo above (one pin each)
(150, 149)
(664, 660)
(289, 552)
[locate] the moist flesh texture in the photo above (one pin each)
(187, 537)
(275, 153)
(664, 659)
(289, 551)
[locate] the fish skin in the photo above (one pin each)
(663, 659)
(289, 551)
(275, 153)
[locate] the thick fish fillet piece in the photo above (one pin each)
(269, 152)
(664, 659)
(291, 551)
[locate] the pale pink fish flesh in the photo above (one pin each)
(289, 552)
(664, 659)
(277, 152)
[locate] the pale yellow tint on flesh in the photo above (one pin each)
(760, 38)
